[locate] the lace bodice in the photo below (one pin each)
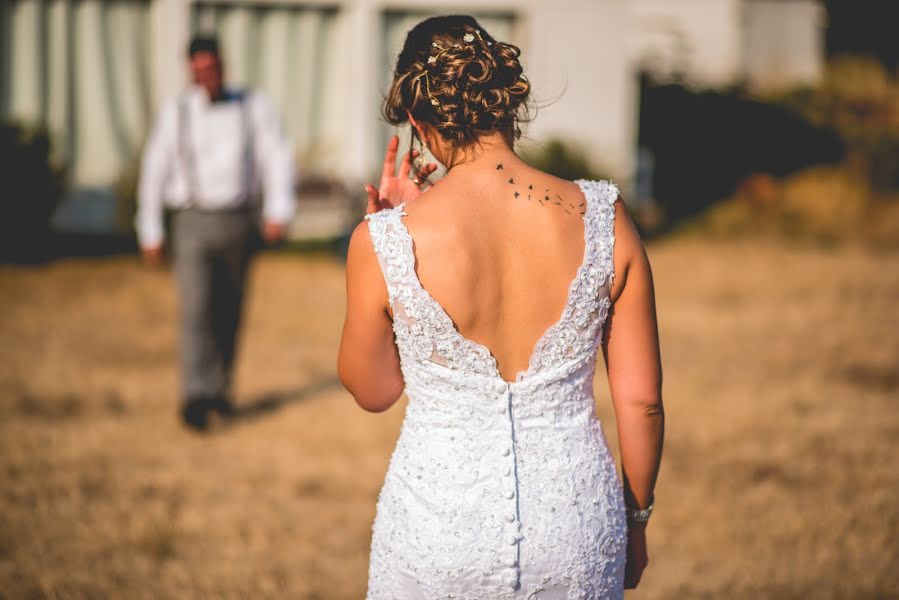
(499, 489)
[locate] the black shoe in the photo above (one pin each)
(222, 405)
(194, 413)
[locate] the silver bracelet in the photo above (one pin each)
(636, 515)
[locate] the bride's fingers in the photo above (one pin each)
(372, 205)
(406, 165)
(389, 167)
(426, 172)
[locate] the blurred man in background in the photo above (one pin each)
(211, 150)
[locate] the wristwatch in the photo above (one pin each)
(636, 515)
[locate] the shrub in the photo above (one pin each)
(860, 100)
(564, 160)
(706, 142)
(33, 187)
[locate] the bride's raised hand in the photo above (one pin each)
(396, 187)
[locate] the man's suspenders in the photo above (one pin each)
(186, 151)
(249, 147)
(188, 157)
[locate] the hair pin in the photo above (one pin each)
(478, 33)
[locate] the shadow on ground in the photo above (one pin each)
(269, 402)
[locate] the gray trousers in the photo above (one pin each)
(211, 254)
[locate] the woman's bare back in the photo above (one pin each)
(501, 483)
(498, 250)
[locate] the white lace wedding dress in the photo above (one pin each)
(499, 489)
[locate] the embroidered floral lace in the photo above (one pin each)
(499, 489)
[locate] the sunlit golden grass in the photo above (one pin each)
(779, 480)
(820, 204)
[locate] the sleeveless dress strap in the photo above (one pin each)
(607, 196)
(393, 247)
(600, 226)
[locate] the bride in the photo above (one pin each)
(486, 297)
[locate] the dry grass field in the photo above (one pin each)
(779, 480)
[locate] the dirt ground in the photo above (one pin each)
(779, 478)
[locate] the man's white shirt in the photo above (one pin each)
(198, 156)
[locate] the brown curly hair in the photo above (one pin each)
(472, 85)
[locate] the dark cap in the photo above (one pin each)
(203, 43)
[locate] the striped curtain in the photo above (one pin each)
(286, 52)
(83, 69)
(80, 68)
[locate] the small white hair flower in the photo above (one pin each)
(468, 37)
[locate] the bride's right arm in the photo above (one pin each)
(368, 363)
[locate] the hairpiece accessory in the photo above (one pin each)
(434, 100)
(432, 59)
(424, 73)
(478, 33)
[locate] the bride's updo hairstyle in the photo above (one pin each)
(454, 76)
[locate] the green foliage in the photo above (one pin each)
(859, 99)
(564, 160)
(33, 186)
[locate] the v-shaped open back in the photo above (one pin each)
(503, 490)
(424, 329)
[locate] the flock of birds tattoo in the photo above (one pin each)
(544, 198)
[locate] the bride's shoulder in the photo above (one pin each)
(554, 182)
(432, 203)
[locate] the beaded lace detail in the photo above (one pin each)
(499, 489)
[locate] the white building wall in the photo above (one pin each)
(169, 33)
(359, 131)
(784, 42)
(24, 93)
(575, 54)
(700, 39)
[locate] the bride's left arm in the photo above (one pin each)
(368, 363)
(633, 362)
